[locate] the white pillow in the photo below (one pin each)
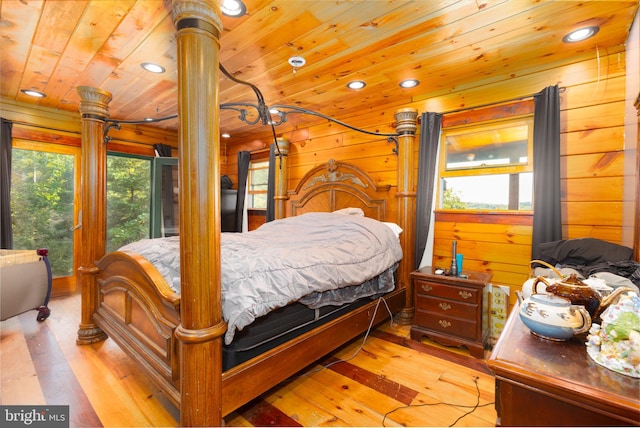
(358, 211)
(350, 211)
(394, 227)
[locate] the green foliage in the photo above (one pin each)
(258, 184)
(42, 198)
(451, 200)
(42, 205)
(128, 200)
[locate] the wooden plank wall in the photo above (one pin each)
(592, 147)
(592, 150)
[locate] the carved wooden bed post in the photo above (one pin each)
(281, 193)
(200, 333)
(406, 125)
(95, 111)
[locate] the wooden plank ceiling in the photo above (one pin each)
(55, 45)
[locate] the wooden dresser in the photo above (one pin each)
(540, 382)
(451, 310)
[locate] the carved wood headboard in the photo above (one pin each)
(337, 185)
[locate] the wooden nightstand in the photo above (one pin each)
(451, 310)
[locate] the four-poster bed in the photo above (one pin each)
(177, 339)
(138, 309)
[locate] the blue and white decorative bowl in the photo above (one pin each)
(553, 317)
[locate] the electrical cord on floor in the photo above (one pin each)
(366, 335)
(364, 340)
(473, 408)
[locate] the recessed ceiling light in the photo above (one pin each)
(356, 84)
(409, 83)
(225, 135)
(581, 34)
(233, 8)
(153, 68)
(33, 93)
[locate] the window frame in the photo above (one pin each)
(62, 284)
(251, 193)
(152, 184)
(512, 169)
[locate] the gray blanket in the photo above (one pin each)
(285, 260)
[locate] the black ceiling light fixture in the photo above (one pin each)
(581, 34)
(233, 8)
(258, 112)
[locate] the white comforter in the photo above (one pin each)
(284, 260)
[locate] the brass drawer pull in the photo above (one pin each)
(444, 306)
(444, 323)
(465, 294)
(427, 288)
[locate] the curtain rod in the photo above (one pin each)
(523, 97)
(33, 125)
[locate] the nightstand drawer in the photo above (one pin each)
(461, 294)
(447, 324)
(449, 308)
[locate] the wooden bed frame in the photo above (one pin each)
(140, 312)
(177, 340)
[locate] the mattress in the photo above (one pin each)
(278, 327)
(288, 322)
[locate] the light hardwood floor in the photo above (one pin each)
(387, 380)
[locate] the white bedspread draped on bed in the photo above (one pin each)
(285, 260)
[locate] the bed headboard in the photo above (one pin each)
(336, 185)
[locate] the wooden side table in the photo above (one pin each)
(451, 310)
(540, 382)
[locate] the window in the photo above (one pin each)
(45, 202)
(487, 167)
(257, 183)
(165, 204)
(43, 196)
(128, 199)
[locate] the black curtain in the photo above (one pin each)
(168, 217)
(6, 232)
(271, 185)
(547, 221)
(163, 150)
(243, 171)
(430, 126)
